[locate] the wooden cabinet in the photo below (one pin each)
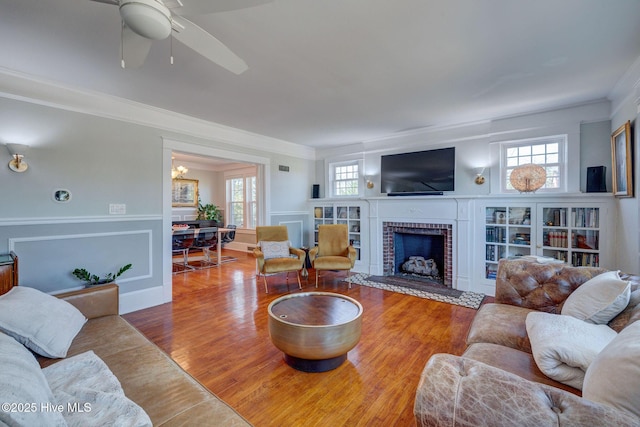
(8, 272)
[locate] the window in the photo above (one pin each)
(241, 201)
(345, 179)
(548, 152)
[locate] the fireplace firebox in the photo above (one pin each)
(424, 242)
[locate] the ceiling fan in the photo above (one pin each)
(146, 20)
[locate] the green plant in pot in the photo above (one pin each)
(93, 279)
(209, 212)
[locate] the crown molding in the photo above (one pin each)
(626, 89)
(36, 90)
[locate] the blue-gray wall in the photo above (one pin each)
(101, 161)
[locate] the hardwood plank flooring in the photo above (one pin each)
(216, 329)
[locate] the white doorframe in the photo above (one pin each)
(263, 175)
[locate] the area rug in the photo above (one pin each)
(420, 288)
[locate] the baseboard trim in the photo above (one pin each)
(144, 298)
(239, 246)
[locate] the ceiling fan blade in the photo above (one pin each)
(114, 2)
(208, 46)
(134, 48)
(204, 7)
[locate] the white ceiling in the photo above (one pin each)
(332, 72)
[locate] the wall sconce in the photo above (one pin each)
(177, 172)
(528, 178)
(369, 182)
(17, 163)
(479, 176)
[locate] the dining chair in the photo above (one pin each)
(228, 236)
(207, 240)
(333, 252)
(182, 241)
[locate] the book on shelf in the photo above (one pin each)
(495, 234)
(561, 256)
(556, 239)
(583, 259)
(490, 253)
(521, 239)
(491, 273)
(585, 217)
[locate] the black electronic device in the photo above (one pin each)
(596, 179)
(417, 193)
(315, 191)
(429, 172)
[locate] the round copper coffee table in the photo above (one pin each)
(315, 330)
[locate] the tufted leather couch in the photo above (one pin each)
(496, 381)
(169, 395)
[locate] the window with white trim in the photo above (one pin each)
(345, 179)
(548, 152)
(241, 201)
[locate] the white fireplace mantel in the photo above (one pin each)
(423, 210)
(466, 216)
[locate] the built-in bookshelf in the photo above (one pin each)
(507, 234)
(340, 214)
(572, 234)
(567, 233)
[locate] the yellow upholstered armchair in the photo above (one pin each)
(333, 251)
(274, 253)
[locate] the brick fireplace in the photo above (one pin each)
(393, 234)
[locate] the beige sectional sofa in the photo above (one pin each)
(497, 381)
(168, 395)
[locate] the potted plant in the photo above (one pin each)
(208, 212)
(93, 279)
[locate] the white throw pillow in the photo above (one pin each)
(599, 299)
(86, 381)
(42, 322)
(25, 395)
(275, 249)
(564, 347)
(614, 376)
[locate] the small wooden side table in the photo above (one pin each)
(8, 272)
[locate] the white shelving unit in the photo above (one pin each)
(340, 214)
(507, 234)
(572, 233)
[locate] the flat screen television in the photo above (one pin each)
(418, 173)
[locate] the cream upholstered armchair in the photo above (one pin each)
(333, 251)
(274, 253)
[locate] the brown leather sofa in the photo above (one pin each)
(496, 380)
(168, 394)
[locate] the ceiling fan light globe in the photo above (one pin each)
(147, 18)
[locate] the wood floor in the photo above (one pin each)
(216, 329)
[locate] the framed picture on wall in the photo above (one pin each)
(184, 192)
(622, 161)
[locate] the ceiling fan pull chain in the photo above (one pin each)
(171, 49)
(122, 44)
